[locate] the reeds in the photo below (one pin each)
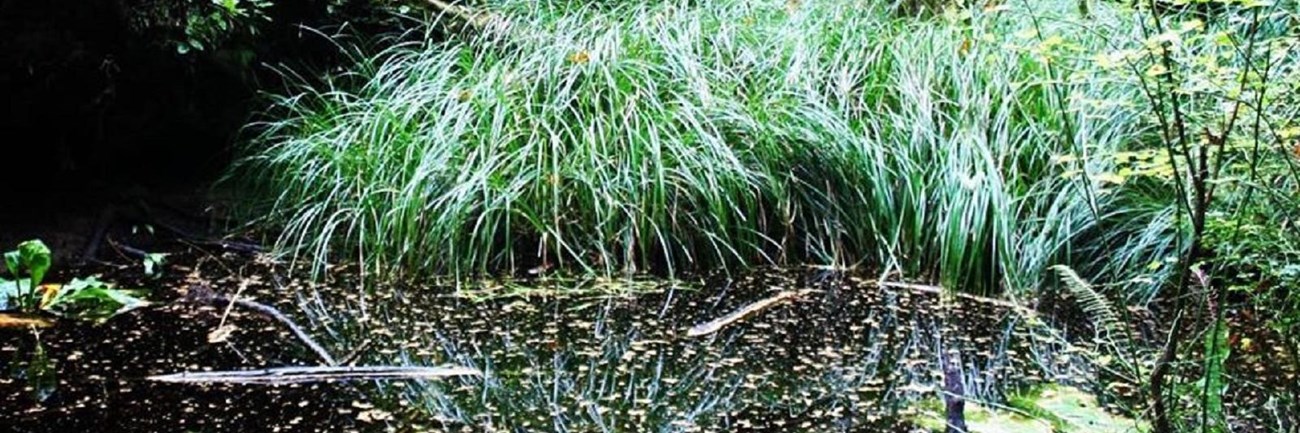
(678, 135)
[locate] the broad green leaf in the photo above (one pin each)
(11, 263)
(34, 256)
(92, 299)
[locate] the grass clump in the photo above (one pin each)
(685, 135)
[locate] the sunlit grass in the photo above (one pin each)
(693, 135)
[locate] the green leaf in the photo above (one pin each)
(92, 299)
(11, 263)
(34, 256)
(1216, 358)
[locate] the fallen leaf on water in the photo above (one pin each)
(374, 415)
(221, 334)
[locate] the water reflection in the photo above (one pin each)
(847, 357)
(77, 377)
(33, 368)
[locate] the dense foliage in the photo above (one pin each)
(1146, 152)
(692, 136)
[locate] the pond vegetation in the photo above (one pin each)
(731, 215)
(847, 355)
(669, 136)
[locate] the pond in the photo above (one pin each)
(85, 378)
(843, 354)
(775, 349)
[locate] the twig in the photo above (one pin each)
(202, 294)
(356, 353)
(225, 315)
(937, 290)
(127, 250)
(288, 375)
(717, 324)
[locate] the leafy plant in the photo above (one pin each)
(200, 25)
(27, 266)
(90, 299)
(1220, 92)
(1100, 310)
(1120, 355)
(82, 298)
(598, 141)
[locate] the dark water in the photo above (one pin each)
(556, 355)
(85, 378)
(573, 356)
(847, 357)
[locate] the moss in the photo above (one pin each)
(980, 419)
(1051, 408)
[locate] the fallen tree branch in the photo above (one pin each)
(288, 375)
(205, 295)
(183, 235)
(936, 290)
(127, 250)
(717, 324)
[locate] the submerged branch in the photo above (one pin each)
(287, 375)
(717, 324)
(936, 290)
(202, 294)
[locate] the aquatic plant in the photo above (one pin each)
(27, 266)
(82, 298)
(685, 135)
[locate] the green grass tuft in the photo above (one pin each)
(684, 135)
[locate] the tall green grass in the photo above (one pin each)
(682, 135)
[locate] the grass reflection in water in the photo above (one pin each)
(583, 357)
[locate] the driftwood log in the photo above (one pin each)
(717, 324)
(288, 375)
(936, 290)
